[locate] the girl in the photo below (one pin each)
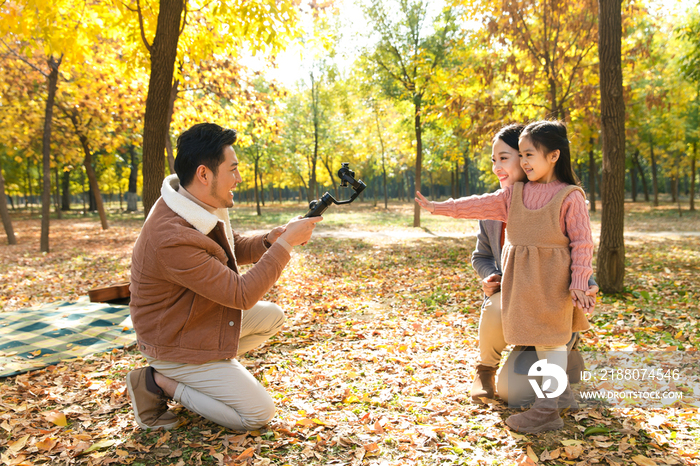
(513, 387)
(546, 258)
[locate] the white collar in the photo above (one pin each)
(195, 215)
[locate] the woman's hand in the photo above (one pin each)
(424, 203)
(583, 300)
(592, 292)
(491, 284)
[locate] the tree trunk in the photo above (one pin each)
(46, 153)
(313, 188)
(330, 174)
(645, 188)
(92, 177)
(92, 203)
(592, 173)
(654, 177)
(168, 141)
(467, 187)
(87, 163)
(57, 194)
(611, 252)
(28, 185)
(65, 191)
(692, 176)
(633, 181)
(262, 188)
(131, 196)
(381, 144)
(257, 198)
(160, 84)
(676, 179)
(82, 182)
(419, 158)
(6, 220)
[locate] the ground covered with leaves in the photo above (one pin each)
(376, 359)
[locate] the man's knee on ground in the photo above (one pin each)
(275, 313)
(260, 416)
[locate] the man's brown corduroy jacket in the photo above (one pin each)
(186, 290)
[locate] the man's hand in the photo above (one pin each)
(424, 203)
(298, 230)
(275, 233)
(491, 284)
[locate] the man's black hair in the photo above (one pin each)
(202, 144)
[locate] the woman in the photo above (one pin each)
(486, 260)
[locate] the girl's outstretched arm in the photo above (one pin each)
(424, 203)
(491, 206)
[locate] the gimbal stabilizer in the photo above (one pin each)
(347, 176)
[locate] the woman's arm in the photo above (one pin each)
(483, 259)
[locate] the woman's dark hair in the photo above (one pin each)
(548, 136)
(202, 144)
(509, 134)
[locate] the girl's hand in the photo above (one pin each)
(583, 300)
(424, 203)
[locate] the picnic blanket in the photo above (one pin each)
(37, 337)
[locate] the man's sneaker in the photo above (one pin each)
(150, 408)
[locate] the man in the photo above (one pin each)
(192, 310)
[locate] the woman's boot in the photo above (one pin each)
(484, 385)
(541, 417)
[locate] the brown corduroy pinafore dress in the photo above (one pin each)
(536, 303)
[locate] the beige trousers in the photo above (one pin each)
(491, 340)
(514, 389)
(223, 391)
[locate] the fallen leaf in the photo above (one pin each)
(573, 451)
(248, 453)
(640, 460)
(16, 446)
(531, 454)
(55, 417)
(516, 435)
(569, 443)
(525, 460)
(47, 444)
(595, 430)
(106, 443)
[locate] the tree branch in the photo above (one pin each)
(22, 59)
(149, 47)
(184, 19)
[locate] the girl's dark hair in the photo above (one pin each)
(201, 144)
(509, 134)
(548, 136)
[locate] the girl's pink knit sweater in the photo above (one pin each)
(573, 219)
